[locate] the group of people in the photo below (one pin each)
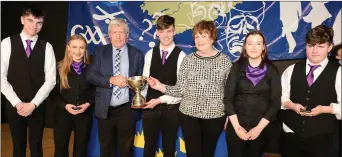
(203, 92)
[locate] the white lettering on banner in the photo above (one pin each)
(106, 16)
(151, 43)
(89, 35)
(149, 22)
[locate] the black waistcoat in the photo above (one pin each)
(166, 74)
(26, 74)
(321, 92)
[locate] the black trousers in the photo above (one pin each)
(201, 135)
(65, 123)
(162, 118)
(117, 131)
(18, 127)
(292, 145)
(240, 148)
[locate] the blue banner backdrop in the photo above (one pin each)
(284, 24)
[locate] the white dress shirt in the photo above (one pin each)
(286, 87)
(49, 69)
(148, 57)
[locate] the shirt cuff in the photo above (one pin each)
(163, 99)
(15, 102)
(336, 110)
(35, 103)
(283, 104)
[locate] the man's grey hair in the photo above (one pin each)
(118, 22)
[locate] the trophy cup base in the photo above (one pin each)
(138, 106)
(137, 83)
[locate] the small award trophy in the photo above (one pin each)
(137, 83)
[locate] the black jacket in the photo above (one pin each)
(80, 91)
(252, 103)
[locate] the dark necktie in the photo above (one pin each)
(28, 49)
(164, 57)
(310, 76)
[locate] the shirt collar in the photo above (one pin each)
(24, 37)
(170, 49)
(122, 49)
(323, 64)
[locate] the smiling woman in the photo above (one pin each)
(74, 97)
(252, 98)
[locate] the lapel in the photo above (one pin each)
(34, 48)
(131, 60)
(108, 60)
(323, 72)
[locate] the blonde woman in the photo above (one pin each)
(74, 99)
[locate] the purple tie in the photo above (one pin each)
(164, 57)
(28, 48)
(310, 76)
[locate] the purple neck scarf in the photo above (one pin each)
(255, 75)
(78, 66)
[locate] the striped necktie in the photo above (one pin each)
(116, 90)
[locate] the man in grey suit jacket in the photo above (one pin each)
(111, 66)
